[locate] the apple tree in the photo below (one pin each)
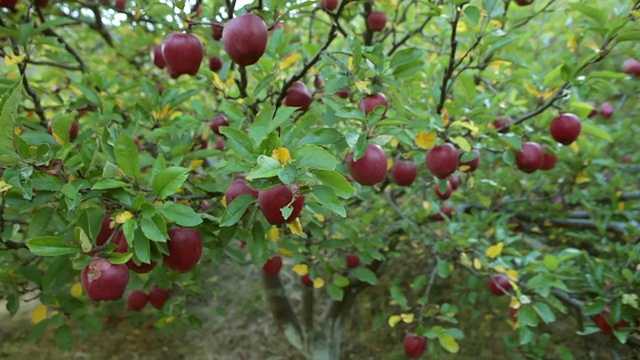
(486, 143)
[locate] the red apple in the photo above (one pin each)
(306, 280)
(143, 268)
(272, 266)
(185, 249)
(607, 110)
(9, 4)
(377, 20)
(245, 39)
(237, 188)
(370, 102)
(353, 261)
(454, 181)
(631, 67)
(626, 159)
(603, 321)
(500, 123)
(121, 4)
(370, 168)
(73, 129)
(499, 284)
(404, 172)
(513, 314)
(215, 63)
(105, 230)
(216, 30)
(414, 345)
(593, 111)
(42, 3)
(137, 300)
(158, 297)
(446, 210)
(343, 94)
(565, 128)
(219, 144)
(524, 2)
(442, 160)
(298, 96)
(103, 280)
(273, 200)
(329, 5)
(472, 164)
(318, 82)
(549, 160)
(447, 194)
(531, 158)
(217, 122)
(182, 54)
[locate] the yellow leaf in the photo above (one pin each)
(582, 177)
(426, 205)
(285, 252)
(123, 217)
(467, 125)
(157, 202)
(230, 82)
(462, 143)
(196, 164)
(217, 81)
(495, 250)
(296, 227)
(350, 62)
(513, 274)
(320, 217)
(362, 85)
(425, 140)
(461, 27)
(514, 303)
(57, 138)
(38, 314)
(301, 269)
(477, 264)
(621, 206)
(445, 117)
(281, 154)
(394, 320)
(119, 102)
(531, 90)
(318, 283)
(572, 44)
(496, 23)
(464, 259)
(389, 164)
(13, 60)
(18, 131)
(490, 232)
(497, 64)
(289, 61)
(407, 318)
(635, 14)
(273, 234)
(76, 290)
(4, 186)
(574, 147)
(449, 343)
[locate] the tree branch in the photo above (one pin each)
(282, 311)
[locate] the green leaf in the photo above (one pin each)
(142, 246)
(545, 312)
(9, 105)
(314, 157)
(266, 167)
(233, 213)
(597, 14)
(327, 198)
(341, 281)
(183, 215)
(324, 136)
(106, 184)
(55, 22)
(120, 258)
(239, 141)
(397, 295)
(596, 131)
(448, 343)
(13, 303)
(629, 35)
(127, 157)
(337, 182)
(527, 316)
(64, 337)
(472, 13)
(334, 292)
(89, 93)
(154, 228)
(257, 244)
(551, 262)
(169, 180)
(51, 246)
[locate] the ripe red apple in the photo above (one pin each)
(318, 82)
(447, 194)
(215, 63)
(626, 159)
(73, 130)
(565, 128)
(105, 230)
(218, 121)
(182, 54)
(513, 314)
(103, 280)
(343, 94)
(370, 168)
(603, 321)
(631, 67)
(185, 249)
(9, 4)
(158, 297)
(454, 181)
(143, 268)
(607, 110)
(524, 2)
(197, 12)
(501, 122)
(121, 242)
(472, 164)
(404, 172)
(444, 210)
(216, 30)
(298, 96)
(442, 160)
(245, 39)
(369, 103)
(515, 225)
(531, 158)
(499, 284)
(353, 261)
(237, 188)
(377, 20)
(329, 5)
(272, 266)
(121, 4)
(137, 300)
(306, 280)
(414, 345)
(593, 111)
(549, 160)
(219, 144)
(274, 199)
